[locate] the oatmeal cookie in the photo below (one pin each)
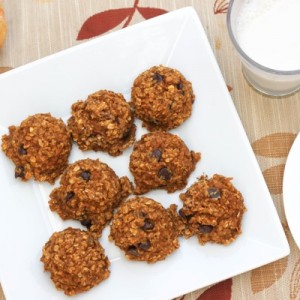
(103, 122)
(213, 210)
(39, 147)
(161, 160)
(162, 98)
(89, 192)
(75, 260)
(145, 230)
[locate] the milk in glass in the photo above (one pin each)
(268, 32)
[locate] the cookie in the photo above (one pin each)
(145, 230)
(161, 160)
(103, 122)
(39, 147)
(75, 260)
(212, 210)
(162, 98)
(89, 192)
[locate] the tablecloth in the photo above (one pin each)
(37, 28)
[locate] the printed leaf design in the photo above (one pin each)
(220, 291)
(221, 6)
(229, 87)
(3, 26)
(103, 22)
(263, 277)
(274, 145)
(274, 178)
(5, 69)
(295, 282)
(150, 12)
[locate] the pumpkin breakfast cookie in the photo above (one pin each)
(89, 192)
(162, 98)
(39, 147)
(103, 122)
(212, 210)
(75, 260)
(161, 160)
(145, 230)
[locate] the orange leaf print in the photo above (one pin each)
(263, 277)
(5, 69)
(220, 291)
(274, 145)
(151, 12)
(295, 282)
(221, 6)
(229, 87)
(103, 22)
(274, 178)
(3, 27)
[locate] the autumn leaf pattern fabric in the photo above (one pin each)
(38, 28)
(104, 21)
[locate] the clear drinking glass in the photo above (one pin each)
(266, 80)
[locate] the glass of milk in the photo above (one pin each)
(266, 34)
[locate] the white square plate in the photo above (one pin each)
(52, 84)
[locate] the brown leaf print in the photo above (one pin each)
(229, 87)
(221, 6)
(295, 282)
(263, 277)
(109, 19)
(150, 12)
(103, 22)
(5, 69)
(274, 178)
(218, 43)
(220, 291)
(274, 145)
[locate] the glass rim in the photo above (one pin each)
(248, 58)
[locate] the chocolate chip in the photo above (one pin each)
(85, 175)
(157, 153)
(164, 173)
(126, 134)
(179, 86)
(145, 246)
(205, 228)
(132, 250)
(157, 77)
(22, 150)
(87, 223)
(148, 225)
(183, 215)
(69, 196)
(154, 121)
(214, 193)
(19, 172)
